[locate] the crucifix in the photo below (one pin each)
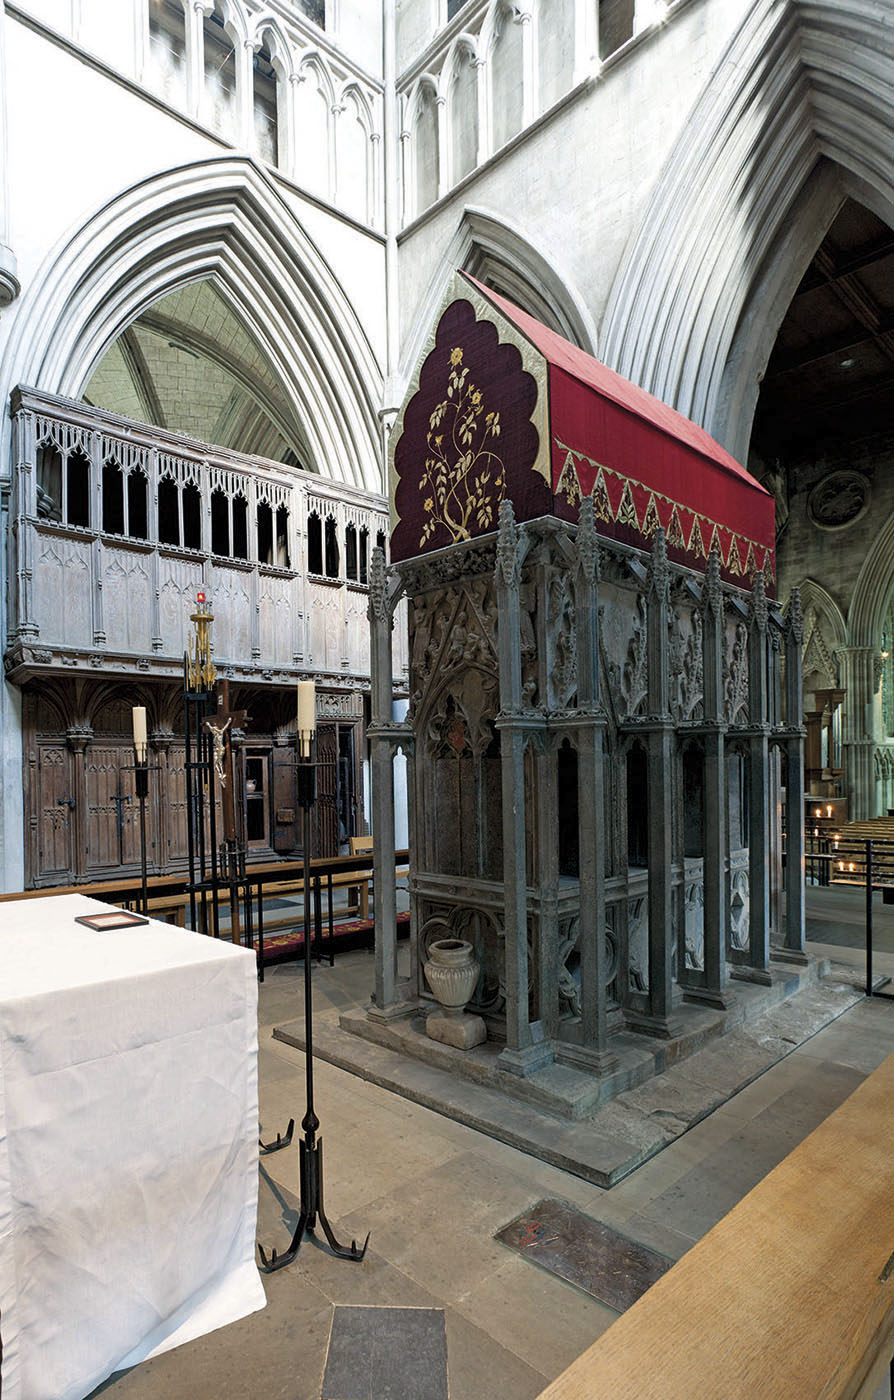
(220, 726)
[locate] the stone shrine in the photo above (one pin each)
(596, 737)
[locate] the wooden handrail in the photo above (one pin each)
(269, 872)
(789, 1297)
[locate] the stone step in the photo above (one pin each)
(614, 1138)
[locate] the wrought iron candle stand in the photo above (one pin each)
(310, 1149)
(200, 705)
(141, 787)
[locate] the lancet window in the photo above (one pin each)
(507, 94)
(265, 100)
(167, 49)
(463, 114)
(351, 562)
(428, 173)
(220, 72)
(314, 543)
(332, 551)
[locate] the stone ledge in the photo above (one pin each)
(605, 1142)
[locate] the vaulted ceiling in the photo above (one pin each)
(189, 365)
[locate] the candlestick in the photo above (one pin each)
(307, 717)
(139, 732)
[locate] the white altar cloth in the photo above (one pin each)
(128, 1143)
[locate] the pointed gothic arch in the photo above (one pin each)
(498, 253)
(220, 219)
(797, 114)
(872, 591)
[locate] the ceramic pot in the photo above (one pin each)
(452, 972)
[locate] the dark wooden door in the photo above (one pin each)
(113, 813)
(327, 790)
(53, 814)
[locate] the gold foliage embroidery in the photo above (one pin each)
(463, 476)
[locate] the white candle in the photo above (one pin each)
(139, 732)
(307, 716)
(828, 811)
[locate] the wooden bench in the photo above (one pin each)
(789, 1297)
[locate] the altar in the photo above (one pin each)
(128, 1143)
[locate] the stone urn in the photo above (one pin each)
(452, 973)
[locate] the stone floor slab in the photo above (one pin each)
(400, 1353)
(613, 1268)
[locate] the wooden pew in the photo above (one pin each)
(789, 1297)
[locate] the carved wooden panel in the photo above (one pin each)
(357, 631)
(63, 593)
(180, 581)
(125, 592)
(327, 791)
(275, 606)
(113, 821)
(54, 815)
(177, 837)
(231, 606)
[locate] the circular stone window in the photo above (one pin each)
(840, 499)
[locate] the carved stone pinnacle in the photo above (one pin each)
(507, 546)
(659, 573)
(713, 589)
(587, 542)
(759, 610)
(378, 609)
(795, 620)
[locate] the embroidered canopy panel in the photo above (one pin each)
(504, 407)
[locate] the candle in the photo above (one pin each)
(828, 811)
(817, 811)
(307, 716)
(139, 732)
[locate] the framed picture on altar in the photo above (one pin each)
(108, 923)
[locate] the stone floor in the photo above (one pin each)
(433, 1193)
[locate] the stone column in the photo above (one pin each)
(388, 1001)
(24, 505)
(591, 793)
(484, 120)
(858, 743)
(443, 145)
(529, 69)
(716, 814)
(758, 765)
(525, 1050)
(794, 787)
(245, 93)
(659, 734)
(194, 16)
(9, 283)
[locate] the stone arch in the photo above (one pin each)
(872, 590)
(825, 632)
(267, 24)
(797, 114)
(221, 219)
(497, 252)
(314, 62)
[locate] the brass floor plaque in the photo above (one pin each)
(587, 1253)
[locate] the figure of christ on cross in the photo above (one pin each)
(220, 726)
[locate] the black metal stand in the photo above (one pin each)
(201, 811)
(310, 1150)
(141, 785)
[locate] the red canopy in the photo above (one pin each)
(505, 406)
